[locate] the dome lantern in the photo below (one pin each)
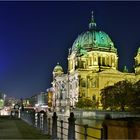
(92, 24)
(93, 39)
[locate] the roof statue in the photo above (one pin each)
(125, 69)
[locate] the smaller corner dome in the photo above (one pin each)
(58, 68)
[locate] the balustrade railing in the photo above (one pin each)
(60, 129)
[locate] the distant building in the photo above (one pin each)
(2, 100)
(33, 100)
(92, 65)
(42, 98)
(2, 96)
(11, 101)
(26, 102)
(1, 103)
(39, 99)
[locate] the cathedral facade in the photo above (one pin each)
(92, 65)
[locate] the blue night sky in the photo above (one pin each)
(34, 36)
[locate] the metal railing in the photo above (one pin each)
(60, 129)
(84, 134)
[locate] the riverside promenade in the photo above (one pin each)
(11, 128)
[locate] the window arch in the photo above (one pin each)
(83, 83)
(103, 61)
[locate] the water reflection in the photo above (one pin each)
(80, 130)
(90, 131)
(91, 122)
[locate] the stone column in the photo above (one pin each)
(101, 60)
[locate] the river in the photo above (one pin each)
(79, 127)
(96, 123)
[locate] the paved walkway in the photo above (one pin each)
(17, 129)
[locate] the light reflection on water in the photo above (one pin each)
(90, 122)
(90, 131)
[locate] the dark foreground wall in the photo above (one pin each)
(126, 128)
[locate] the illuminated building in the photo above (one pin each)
(2, 100)
(42, 98)
(33, 100)
(39, 99)
(50, 97)
(26, 102)
(137, 63)
(64, 93)
(92, 65)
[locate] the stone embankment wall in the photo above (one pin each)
(125, 128)
(101, 114)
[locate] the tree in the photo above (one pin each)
(123, 94)
(80, 104)
(117, 96)
(108, 97)
(84, 103)
(135, 97)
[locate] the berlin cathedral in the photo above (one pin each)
(92, 65)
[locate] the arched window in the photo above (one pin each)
(90, 61)
(112, 60)
(83, 94)
(83, 83)
(84, 64)
(94, 97)
(99, 61)
(61, 94)
(103, 61)
(81, 64)
(95, 58)
(107, 60)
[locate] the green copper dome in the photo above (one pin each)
(93, 39)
